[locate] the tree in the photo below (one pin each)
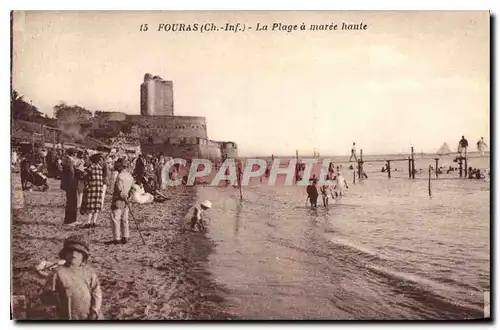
(22, 110)
(71, 113)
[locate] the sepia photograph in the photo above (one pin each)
(250, 165)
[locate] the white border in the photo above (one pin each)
(187, 5)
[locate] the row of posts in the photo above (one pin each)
(462, 166)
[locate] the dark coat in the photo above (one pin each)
(69, 181)
(140, 167)
(312, 191)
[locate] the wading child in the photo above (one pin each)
(312, 192)
(340, 186)
(74, 288)
(326, 190)
(197, 218)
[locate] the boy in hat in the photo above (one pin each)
(196, 219)
(74, 288)
(312, 192)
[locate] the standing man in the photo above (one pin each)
(119, 203)
(462, 146)
(69, 183)
(353, 152)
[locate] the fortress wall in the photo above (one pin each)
(164, 127)
(187, 151)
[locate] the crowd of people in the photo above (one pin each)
(85, 176)
(72, 285)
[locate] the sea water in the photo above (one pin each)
(387, 250)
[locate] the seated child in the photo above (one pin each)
(197, 218)
(74, 287)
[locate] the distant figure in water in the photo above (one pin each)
(197, 218)
(353, 152)
(312, 193)
(340, 186)
(325, 191)
(462, 146)
(481, 146)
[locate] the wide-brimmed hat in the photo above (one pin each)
(96, 158)
(76, 242)
(206, 204)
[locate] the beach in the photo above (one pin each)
(387, 250)
(167, 279)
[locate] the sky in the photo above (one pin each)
(410, 79)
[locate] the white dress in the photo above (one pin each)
(140, 196)
(340, 185)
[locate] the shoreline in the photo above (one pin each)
(167, 279)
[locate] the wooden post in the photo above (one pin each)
(460, 165)
(430, 180)
(354, 177)
(466, 169)
(389, 169)
(409, 167)
(437, 164)
(239, 180)
(360, 166)
(33, 150)
(412, 164)
(42, 128)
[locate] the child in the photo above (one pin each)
(312, 192)
(325, 190)
(196, 219)
(341, 185)
(74, 288)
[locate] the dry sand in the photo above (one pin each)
(167, 279)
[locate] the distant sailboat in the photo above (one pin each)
(444, 150)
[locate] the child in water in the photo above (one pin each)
(340, 186)
(74, 288)
(326, 190)
(196, 219)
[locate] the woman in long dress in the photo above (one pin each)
(92, 194)
(79, 174)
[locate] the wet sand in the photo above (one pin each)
(167, 279)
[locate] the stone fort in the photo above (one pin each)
(158, 130)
